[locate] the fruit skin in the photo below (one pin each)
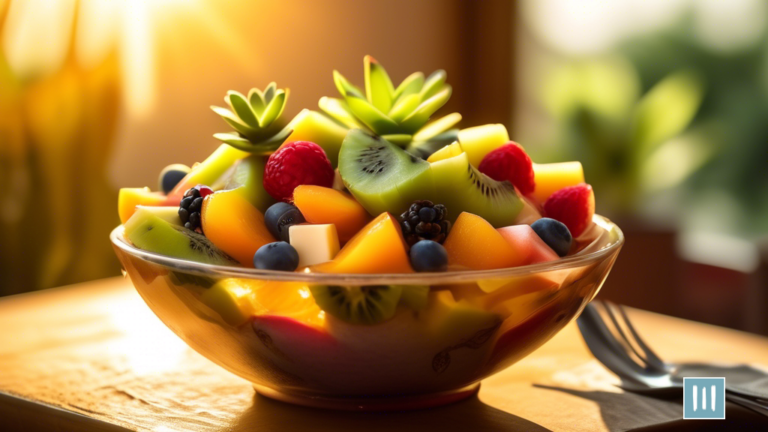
(358, 304)
(317, 128)
(171, 175)
(129, 198)
(249, 174)
(298, 163)
(276, 256)
(527, 244)
(280, 217)
(234, 225)
(428, 256)
(321, 205)
(382, 239)
(574, 206)
(555, 234)
(549, 178)
(510, 162)
(462, 188)
(149, 232)
(478, 141)
(473, 243)
(380, 175)
(208, 171)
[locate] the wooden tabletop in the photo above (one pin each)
(94, 357)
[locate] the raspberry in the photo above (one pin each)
(296, 163)
(574, 206)
(510, 162)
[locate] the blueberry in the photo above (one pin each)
(171, 176)
(279, 217)
(276, 256)
(429, 256)
(555, 234)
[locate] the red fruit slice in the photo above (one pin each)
(528, 244)
(294, 164)
(574, 206)
(510, 162)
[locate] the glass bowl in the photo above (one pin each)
(449, 330)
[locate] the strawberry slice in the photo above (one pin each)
(510, 162)
(574, 206)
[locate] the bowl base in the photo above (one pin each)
(391, 403)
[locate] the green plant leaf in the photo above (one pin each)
(437, 127)
(421, 114)
(345, 87)
(242, 108)
(433, 84)
(256, 98)
(339, 111)
(370, 116)
(666, 110)
(404, 106)
(401, 140)
(410, 85)
(274, 109)
(233, 121)
(269, 92)
(378, 86)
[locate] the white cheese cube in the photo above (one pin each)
(315, 243)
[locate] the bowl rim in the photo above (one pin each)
(220, 271)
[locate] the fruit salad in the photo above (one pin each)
(372, 184)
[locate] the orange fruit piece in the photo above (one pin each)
(234, 225)
(550, 178)
(474, 243)
(378, 248)
(322, 205)
(129, 198)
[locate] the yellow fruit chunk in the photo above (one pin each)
(474, 243)
(234, 225)
(322, 205)
(378, 248)
(232, 299)
(317, 128)
(315, 244)
(288, 299)
(446, 152)
(550, 178)
(129, 198)
(478, 141)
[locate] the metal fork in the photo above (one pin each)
(627, 355)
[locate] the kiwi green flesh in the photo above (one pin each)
(153, 234)
(462, 188)
(249, 175)
(380, 175)
(414, 296)
(358, 305)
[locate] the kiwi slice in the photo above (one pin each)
(462, 188)
(358, 304)
(154, 234)
(382, 176)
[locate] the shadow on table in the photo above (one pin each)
(629, 411)
(468, 415)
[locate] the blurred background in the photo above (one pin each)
(665, 102)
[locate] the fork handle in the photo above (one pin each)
(747, 403)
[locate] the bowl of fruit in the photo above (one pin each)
(365, 256)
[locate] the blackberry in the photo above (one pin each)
(191, 206)
(424, 221)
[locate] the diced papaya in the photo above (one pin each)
(475, 244)
(322, 205)
(552, 177)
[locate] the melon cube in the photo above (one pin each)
(528, 245)
(315, 244)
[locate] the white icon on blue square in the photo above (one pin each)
(704, 398)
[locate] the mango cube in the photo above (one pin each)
(478, 141)
(550, 178)
(315, 244)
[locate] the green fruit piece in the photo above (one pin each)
(358, 305)
(415, 296)
(462, 188)
(478, 141)
(382, 176)
(232, 300)
(249, 177)
(166, 213)
(459, 319)
(425, 149)
(211, 169)
(149, 232)
(318, 128)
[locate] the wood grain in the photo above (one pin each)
(93, 357)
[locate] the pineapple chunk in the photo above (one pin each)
(315, 244)
(550, 178)
(478, 141)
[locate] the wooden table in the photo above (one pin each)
(93, 357)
